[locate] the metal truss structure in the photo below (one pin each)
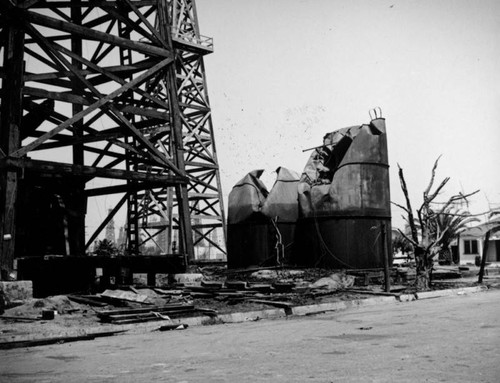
(107, 90)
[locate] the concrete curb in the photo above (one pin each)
(334, 306)
(240, 317)
(450, 292)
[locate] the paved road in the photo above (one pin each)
(452, 339)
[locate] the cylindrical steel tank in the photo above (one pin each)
(282, 207)
(261, 225)
(344, 208)
(247, 227)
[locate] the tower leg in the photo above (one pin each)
(11, 114)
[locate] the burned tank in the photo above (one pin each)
(344, 200)
(261, 224)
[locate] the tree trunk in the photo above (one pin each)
(423, 270)
(423, 280)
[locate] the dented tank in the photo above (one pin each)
(261, 224)
(344, 200)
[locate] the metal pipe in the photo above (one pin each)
(387, 275)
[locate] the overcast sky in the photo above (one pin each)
(285, 72)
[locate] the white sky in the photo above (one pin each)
(285, 72)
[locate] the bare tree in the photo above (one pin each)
(427, 236)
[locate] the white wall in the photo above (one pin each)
(470, 258)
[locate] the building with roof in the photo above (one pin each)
(471, 243)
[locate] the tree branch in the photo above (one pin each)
(408, 238)
(400, 206)
(436, 192)
(411, 221)
(433, 174)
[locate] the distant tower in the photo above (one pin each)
(190, 111)
(121, 237)
(110, 229)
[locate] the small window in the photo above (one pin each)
(470, 246)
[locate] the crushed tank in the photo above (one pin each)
(261, 224)
(344, 200)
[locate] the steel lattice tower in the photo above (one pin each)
(111, 90)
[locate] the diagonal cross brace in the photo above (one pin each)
(98, 104)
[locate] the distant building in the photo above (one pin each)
(110, 230)
(122, 237)
(471, 244)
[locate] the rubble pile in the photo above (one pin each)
(208, 293)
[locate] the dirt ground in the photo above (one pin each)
(25, 320)
(449, 339)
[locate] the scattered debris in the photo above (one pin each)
(48, 314)
(122, 295)
(335, 281)
(169, 327)
(91, 300)
(222, 292)
(60, 303)
(265, 274)
(282, 305)
(13, 292)
(188, 278)
(151, 314)
(238, 285)
(371, 292)
(20, 318)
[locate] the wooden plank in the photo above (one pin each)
(204, 166)
(125, 296)
(145, 21)
(89, 4)
(87, 301)
(153, 151)
(110, 75)
(92, 34)
(11, 113)
(98, 104)
(159, 316)
(54, 340)
(19, 318)
(131, 26)
(106, 152)
(54, 117)
(150, 112)
(59, 82)
(43, 59)
(106, 135)
(37, 115)
(98, 21)
(58, 96)
(82, 170)
(169, 327)
(136, 67)
(98, 54)
(168, 307)
(369, 292)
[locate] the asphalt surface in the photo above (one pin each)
(446, 339)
